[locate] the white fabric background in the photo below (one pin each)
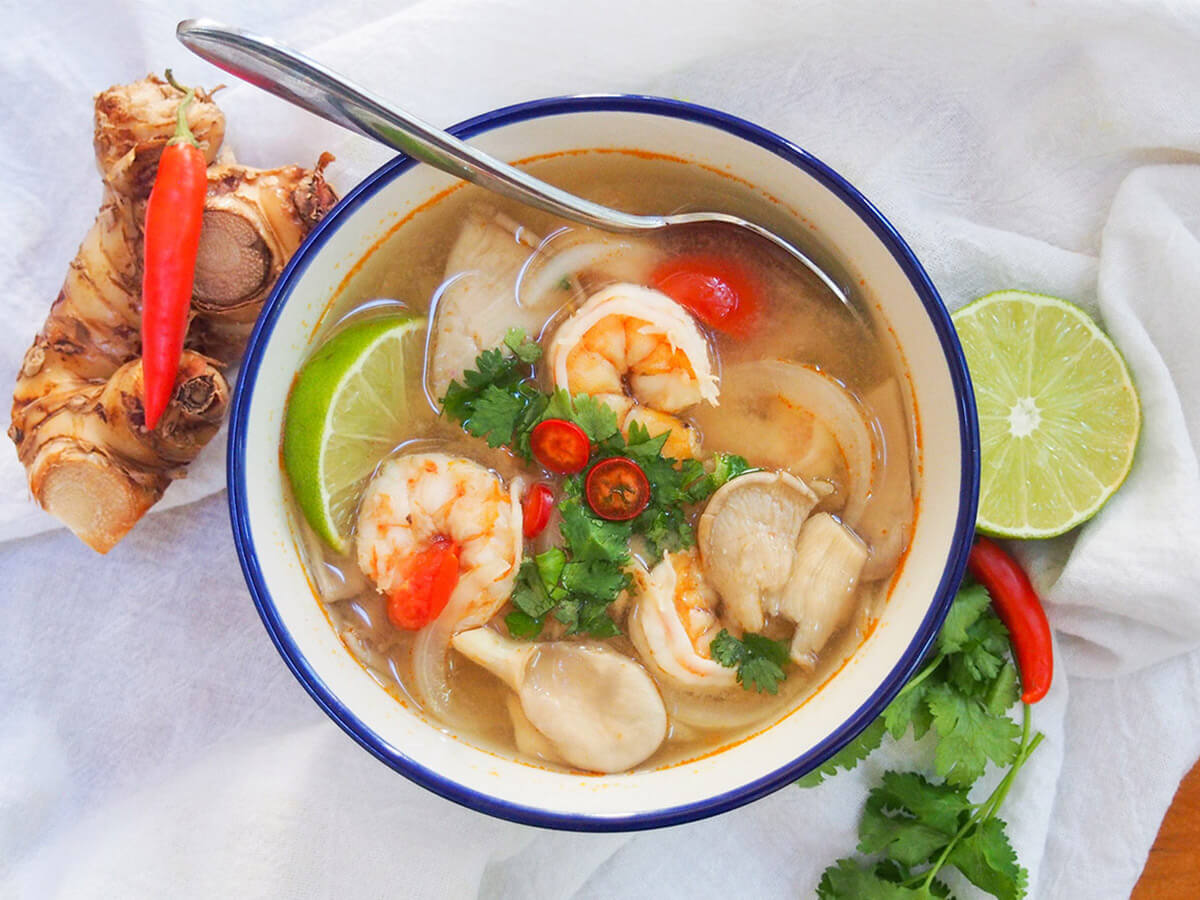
(152, 741)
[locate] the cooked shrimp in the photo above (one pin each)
(642, 354)
(675, 621)
(423, 499)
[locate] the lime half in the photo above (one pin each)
(1058, 413)
(349, 407)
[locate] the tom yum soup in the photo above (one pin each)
(597, 502)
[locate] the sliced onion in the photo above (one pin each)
(733, 708)
(612, 260)
(887, 522)
(748, 387)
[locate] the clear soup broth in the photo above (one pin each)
(800, 551)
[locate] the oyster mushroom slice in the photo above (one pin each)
(598, 709)
(819, 594)
(747, 537)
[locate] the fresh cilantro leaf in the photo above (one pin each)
(595, 417)
(986, 857)
(910, 819)
(523, 626)
(850, 880)
(727, 650)
(524, 350)
(849, 756)
(1004, 691)
(559, 406)
(969, 604)
(496, 399)
(590, 537)
(530, 595)
(761, 674)
(906, 839)
(757, 645)
(980, 657)
(596, 578)
(550, 564)
(968, 736)
(942, 807)
(494, 415)
(586, 615)
(726, 466)
(492, 366)
(457, 401)
(906, 710)
(759, 660)
(643, 448)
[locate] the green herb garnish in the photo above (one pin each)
(759, 660)
(498, 401)
(913, 827)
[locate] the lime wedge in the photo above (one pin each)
(1058, 413)
(349, 407)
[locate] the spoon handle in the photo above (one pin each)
(311, 86)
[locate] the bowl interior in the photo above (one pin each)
(847, 230)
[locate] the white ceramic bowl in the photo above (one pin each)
(859, 240)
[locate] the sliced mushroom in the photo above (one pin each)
(529, 740)
(819, 594)
(598, 709)
(747, 537)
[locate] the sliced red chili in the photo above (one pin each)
(1018, 606)
(430, 580)
(560, 446)
(719, 292)
(617, 489)
(536, 507)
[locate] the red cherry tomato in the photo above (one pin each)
(560, 446)
(718, 292)
(537, 506)
(617, 489)
(429, 582)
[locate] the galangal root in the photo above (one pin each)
(77, 416)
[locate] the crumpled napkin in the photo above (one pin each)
(150, 737)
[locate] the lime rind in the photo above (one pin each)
(347, 410)
(1051, 464)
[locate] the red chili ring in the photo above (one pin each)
(560, 446)
(536, 509)
(617, 489)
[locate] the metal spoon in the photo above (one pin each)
(309, 85)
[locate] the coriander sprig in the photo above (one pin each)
(759, 660)
(915, 827)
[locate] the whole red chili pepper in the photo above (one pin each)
(1018, 606)
(174, 215)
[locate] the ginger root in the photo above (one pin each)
(77, 417)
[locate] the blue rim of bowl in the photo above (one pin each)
(760, 787)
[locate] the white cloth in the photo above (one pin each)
(152, 741)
